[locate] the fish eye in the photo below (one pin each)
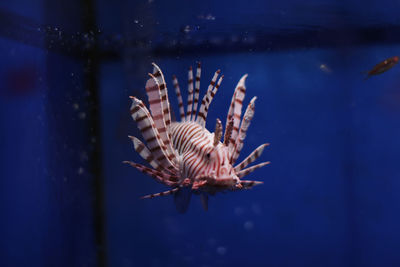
(208, 155)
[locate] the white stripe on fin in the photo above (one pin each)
(147, 127)
(179, 96)
(190, 95)
(251, 158)
(247, 117)
(157, 110)
(201, 118)
(164, 94)
(209, 99)
(196, 90)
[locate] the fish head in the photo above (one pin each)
(214, 169)
(220, 160)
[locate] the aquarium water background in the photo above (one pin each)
(330, 195)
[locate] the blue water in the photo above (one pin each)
(330, 195)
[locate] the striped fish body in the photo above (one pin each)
(199, 157)
(184, 155)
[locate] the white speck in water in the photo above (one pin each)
(325, 68)
(136, 21)
(75, 106)
(72, 74)
(238, 211)
(249, 225)
(206, 17)
(82, 115)
(221, 250)
(186, 29)
(210, 17)
(80, 171)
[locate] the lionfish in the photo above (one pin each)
(184, 155)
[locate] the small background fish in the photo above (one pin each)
(382, 66)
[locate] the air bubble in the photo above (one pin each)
(249, 225)
(221, 250)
